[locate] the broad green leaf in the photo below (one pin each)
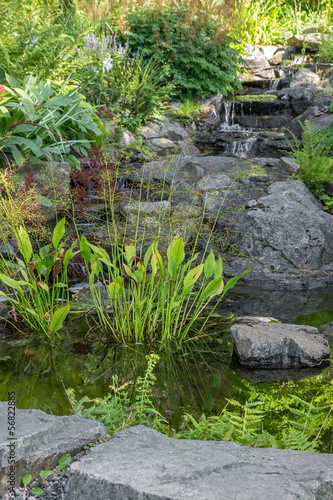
(130, 252)
(148, 256)
(114, 289)
(176, 251)
(44, 251)
(232, 282)
(26, 479)
(85, 249)
(208, 401)
(192, 277)
(217, 380)
(64, 460)
(211, 289)
(219, 268)
(13, 82)
(69, 254)
(210, 265)
(37, 492)
(58, 318)
(24, 244)
(43, 286)
(160, 262)
(24, 127)
(27, 142)
(23, 93)
(28, 106)
(17, 156)
(58, 232)
(46, 473)
(60, 285)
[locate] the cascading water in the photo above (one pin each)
(244, 141)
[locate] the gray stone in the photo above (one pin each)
(7, 250)
(277, 57)
(171, 130)
(127, 139)
(288, 229)
(139, 463)
(313, 41)
(151, 208)
(41, 439)
(328, 331)
(163, 146)
(255, 60)
(306, 91)
(192, 172)
(277, 345)
(304, 76)
(268, 51)
(289, 164)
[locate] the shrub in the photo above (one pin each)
(115, 76)
(314, 158)
(201, 60)
(36, 123)
(161, 304)
(37, 286)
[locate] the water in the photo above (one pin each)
(243, 146)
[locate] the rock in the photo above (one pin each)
(317, 29)
(150, 208)
(41, 439)
(268, 51)
(277, 57)
(140, 463)
(305, 91)
(191, 172)
(7, 250)
(328, 331)
(259, 376)
(52, 183)
(173, 131)
(304, 76)
(126, 140)
(163, 146)
(289, 164)
(288, 229)
(255, 60)
(277, 345)
(313, 41)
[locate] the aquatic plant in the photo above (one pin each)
(152, 298)
(37, 287)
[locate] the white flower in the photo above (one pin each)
(15, 34)
(107, 64)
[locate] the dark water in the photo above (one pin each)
(195, 379)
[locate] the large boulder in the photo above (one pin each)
(279, 346)
(171, 130)
(140, 463)
(311, 41)
(39, 440)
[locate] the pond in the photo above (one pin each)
(197, 378)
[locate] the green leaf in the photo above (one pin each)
(130, 252)
(64, 460)
(211, 289)
(44, 286)
(208, 401)
(26, 479)
(46, 473)
(217, 380)
(24, 127)
(58, 318)
(13, 82)
(17, 156)
(58, 232)
(24, 244)
(44, 251)
(37, 492)
(210, 265)
(192, 277)
(114, 289)
(176, 251)
(232, 282)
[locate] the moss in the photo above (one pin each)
(253, 98)
(252, 170)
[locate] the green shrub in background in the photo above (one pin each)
(112, 74)
(39, 38)
(36, 123)
(201, 62)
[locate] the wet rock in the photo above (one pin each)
(304, 76)
(306, 91)
(141, 463)
(163, 146)
(171, 130)
(313, 41)
(277, 345)
(127, 139)
(41, 439)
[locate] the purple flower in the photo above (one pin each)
(128, 63)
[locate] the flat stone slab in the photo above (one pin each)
(40, 440)
(142, 464)
(277, 345)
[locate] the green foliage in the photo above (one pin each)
(37, 289)
(162, 304)
(37, 123)
(326, 49)
(186, 112)
(115, 76)
(200, 61)
(314, 158)
(44, 474)
(266, 22)
(115, 410)
(38, 38)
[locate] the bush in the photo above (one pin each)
(200, 59)
(36, 123)
(115, 76)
